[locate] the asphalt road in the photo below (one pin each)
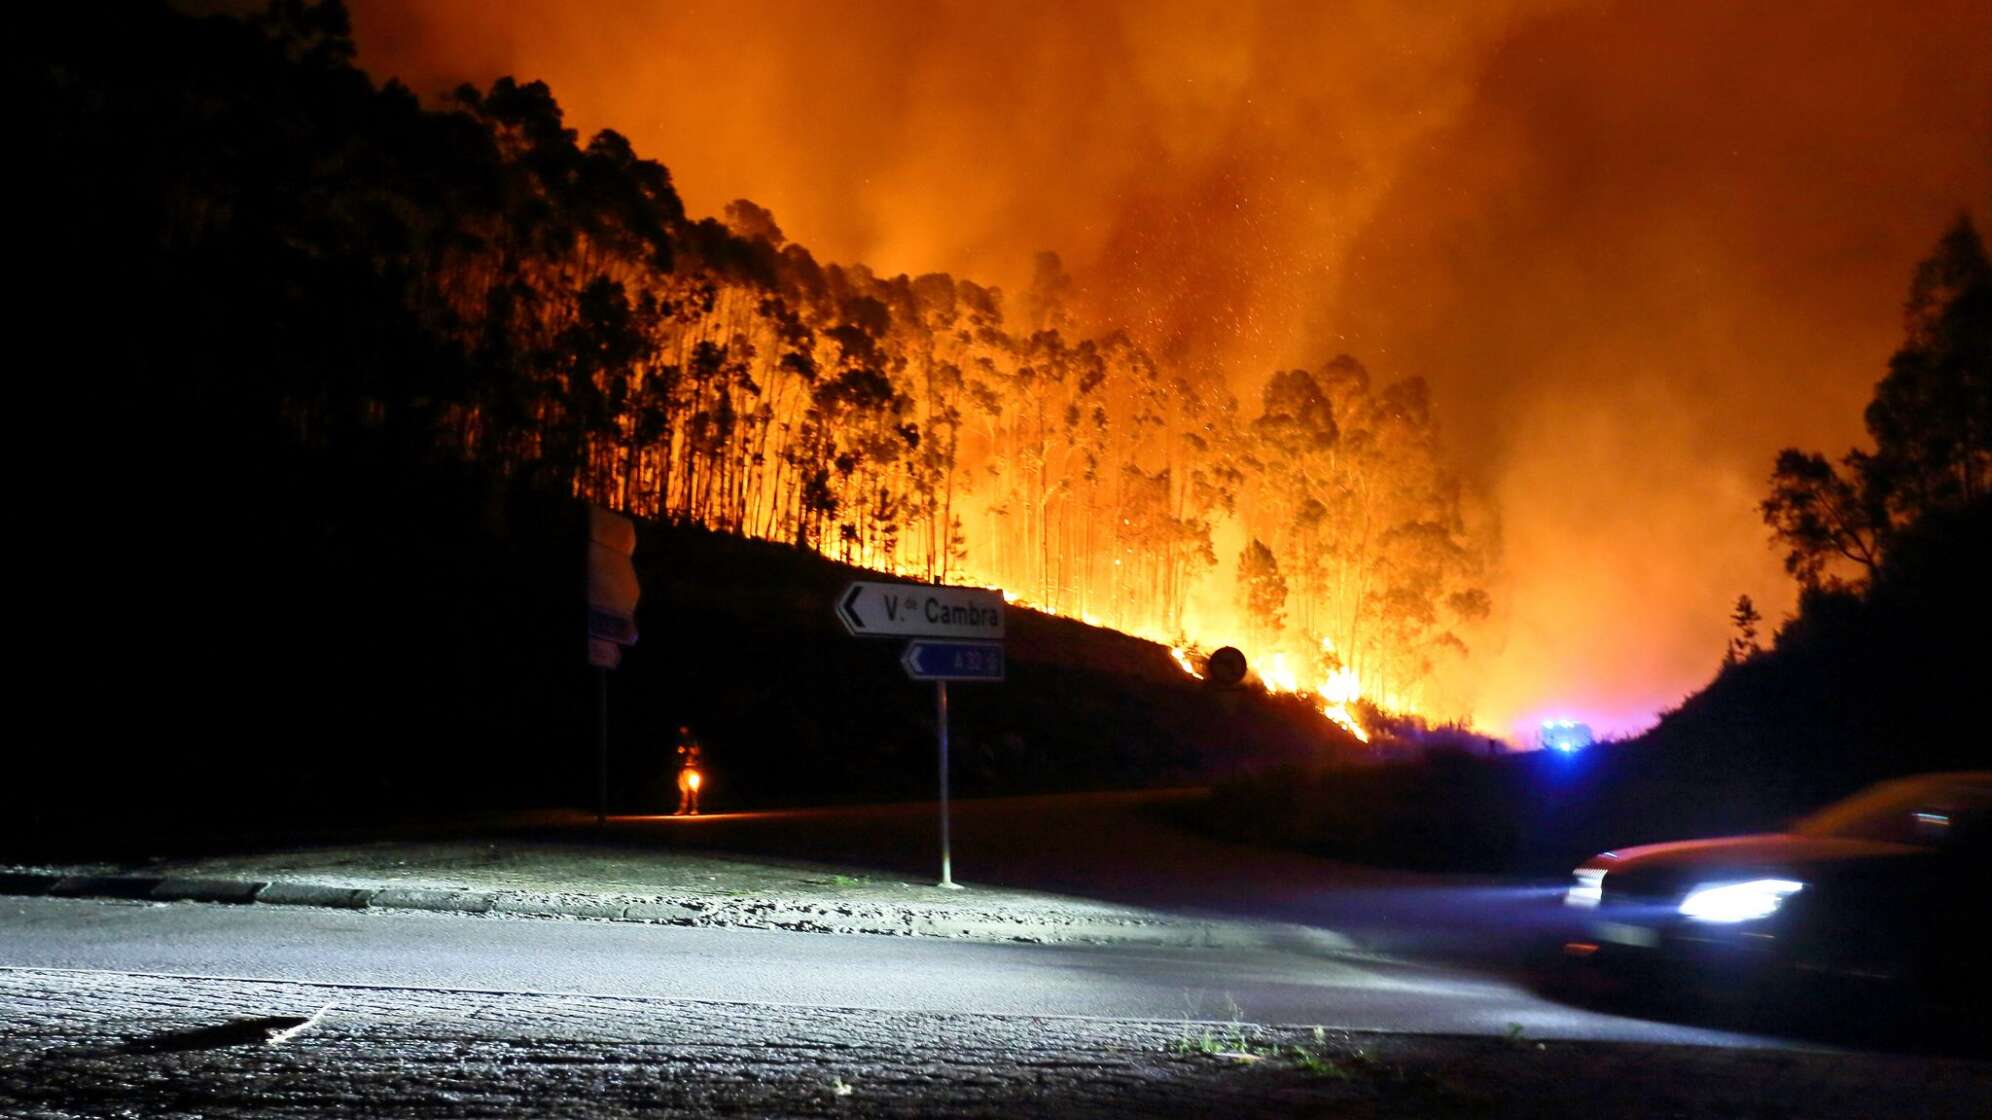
(1298, 985)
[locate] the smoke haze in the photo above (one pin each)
(1635, 248)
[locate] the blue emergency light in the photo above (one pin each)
(1566, 735)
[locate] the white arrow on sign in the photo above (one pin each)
(919, 610)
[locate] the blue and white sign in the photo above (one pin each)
(953, 661)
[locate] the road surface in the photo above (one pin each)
(1298, 985)
(111, 1008)
(184, 1010)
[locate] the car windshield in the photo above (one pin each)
(1923, 811)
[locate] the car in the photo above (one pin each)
(1889, 886)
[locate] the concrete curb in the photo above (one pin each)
(313, 894)
(27, 883)
(106, 886)
(236, 891)
(907, 920)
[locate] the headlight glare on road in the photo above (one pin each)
(1738, 902)
(1588, 890)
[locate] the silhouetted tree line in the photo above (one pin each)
(332, 264)
(1931, 423)
(1887, 535)
(1881, 670)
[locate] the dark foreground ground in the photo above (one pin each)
(1310, 987)
(92, 1044)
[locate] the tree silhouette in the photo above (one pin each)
(1262, 591)
(1931, 422)
(1931, 418)
(1744, 619)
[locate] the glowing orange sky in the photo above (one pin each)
(1635, 247)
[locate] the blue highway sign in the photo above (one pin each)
(953, 661)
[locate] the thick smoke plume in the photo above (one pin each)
(1635, 248)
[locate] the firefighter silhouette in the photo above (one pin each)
(691, 760)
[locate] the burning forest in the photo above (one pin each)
(1368, 341)
(715, 373)
(710, 371)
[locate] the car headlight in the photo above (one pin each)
(1588, 890)
(1738, 902)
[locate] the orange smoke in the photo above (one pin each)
(1635, 248)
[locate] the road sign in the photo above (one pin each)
(954, 661)
(1226, 666)
(612, 596)
(612, 587)
(609, 626)
(918, 610)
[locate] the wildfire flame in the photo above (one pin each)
(1335, 692)
(1231, 251)
(1182, 657)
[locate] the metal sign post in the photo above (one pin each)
(612, 596)
(947, 847)
(970, 623)
(601, 745)
(942, 662)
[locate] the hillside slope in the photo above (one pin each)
(334, 637)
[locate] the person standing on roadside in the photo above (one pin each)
(691, 772)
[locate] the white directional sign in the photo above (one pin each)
(918, 610)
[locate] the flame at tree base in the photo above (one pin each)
(1335, 694)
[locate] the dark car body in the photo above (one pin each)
(1889, 885)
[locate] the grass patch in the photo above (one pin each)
(1234, 1039)
(1316, 1064)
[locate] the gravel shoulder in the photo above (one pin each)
(532, 877)
(109, 1044)
(1099, 868)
